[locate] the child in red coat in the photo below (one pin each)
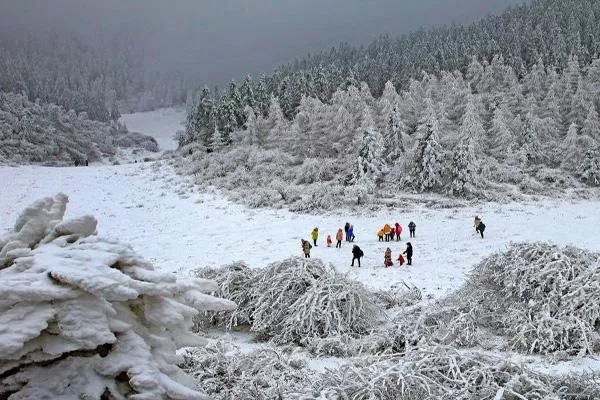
(329, 241)
(400, 259)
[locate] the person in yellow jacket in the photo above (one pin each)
(380, 235)
(386, 230)
(315, 235)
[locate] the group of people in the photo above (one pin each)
(388, 232)
(387, 258)
(357, 252)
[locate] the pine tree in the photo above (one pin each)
(463, 168)
(471, 127)
(428, 162)
(590, 167)
(251, 133)
(501, 136)
(530, 141)
(591, 126)
(394, 138)
(217, 140)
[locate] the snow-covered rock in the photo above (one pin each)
(87, 317)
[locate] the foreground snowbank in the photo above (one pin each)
(86, 317)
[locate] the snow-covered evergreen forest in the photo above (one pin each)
(519, 117)
(99, 77)
(46, 133)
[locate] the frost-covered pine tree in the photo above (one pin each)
(394, 138)
(501, 137)
(589, 169)
(369, 164)
(217, 142)
(463, 168)
(276, 123)
(591, 126)
(530, 141)
(428, 161)
(251, 134)
(471, 126)
(84, 317)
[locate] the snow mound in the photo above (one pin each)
(294, 300)
(86, 317)
(534, 297)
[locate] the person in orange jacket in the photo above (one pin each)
(339, 236)
(380, 235)
(329, 241)
(386, 230)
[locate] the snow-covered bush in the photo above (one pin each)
(445, 373)
(224, 372)
(87, 318)
(295, 300)
(539, 298)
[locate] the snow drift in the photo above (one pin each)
(86, 317)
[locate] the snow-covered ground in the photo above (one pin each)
(165, 218)
(161, 124)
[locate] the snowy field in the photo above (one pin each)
(161, 124)
(165, 219)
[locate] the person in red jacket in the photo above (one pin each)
(398, 229)
(329, 241)
(400, 259)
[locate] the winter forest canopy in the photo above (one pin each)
(440, 110)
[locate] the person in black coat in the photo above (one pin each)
(409, 253)
(357, 253)
(411, 227)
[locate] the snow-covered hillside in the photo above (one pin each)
(165, 218)
(161, 124)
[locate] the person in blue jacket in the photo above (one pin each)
(351, 233)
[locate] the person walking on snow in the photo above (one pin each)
(481, 227)
(357, 254)
(339, 236)
(315, 235)
(392, 233)
(346, 228)
(351, 233)
(387, 258)
(400, 259)
(380, 235)
(387, 229)
(476, 223)
(411, 228)
(409, 253)
(306, 246)
(329, 241)
(398, 229)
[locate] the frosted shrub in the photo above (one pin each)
(444, 373)
(296, 299)
(84, 317)
(542, 298)
(224, 372)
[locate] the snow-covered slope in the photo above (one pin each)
(162, 215)
(161, 124)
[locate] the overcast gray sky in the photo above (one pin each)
(225, 39)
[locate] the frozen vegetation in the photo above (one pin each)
(86, 317)
(46, 133)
